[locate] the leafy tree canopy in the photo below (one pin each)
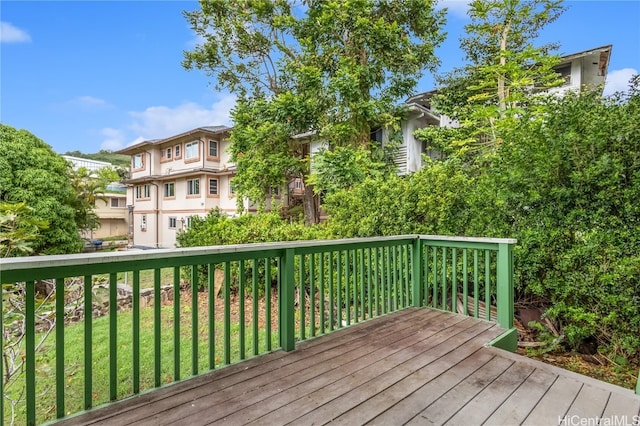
(327, 68)
(32, 173)
(504, 72)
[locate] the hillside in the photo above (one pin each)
(103, 155)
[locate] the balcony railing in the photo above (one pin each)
(134, 321)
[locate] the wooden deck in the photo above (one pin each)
(417, 366)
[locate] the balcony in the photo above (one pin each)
(405, 329)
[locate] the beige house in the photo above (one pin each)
(111, 207)
(175, 178)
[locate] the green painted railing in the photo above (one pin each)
(188, 311)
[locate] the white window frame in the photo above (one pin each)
(213, 143)
(193, 186)
(178, 154)
(173, 222)
(217, 189)
(137, 161)
(190, 152)
(166, 191)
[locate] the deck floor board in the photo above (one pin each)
(416, 366)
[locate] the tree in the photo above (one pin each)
(325, 68)
(503, 74)
(90, 187)
(31, 173)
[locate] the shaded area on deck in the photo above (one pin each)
(415, 366)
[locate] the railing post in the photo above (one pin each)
(505, 285)
(286, 301)
(504, 280)
(416, 273)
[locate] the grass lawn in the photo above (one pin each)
(75, 352)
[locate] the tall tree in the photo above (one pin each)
(32, 173)
(504, 70)
(327, 68)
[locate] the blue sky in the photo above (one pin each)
(91, 75)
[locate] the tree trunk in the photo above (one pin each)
(310, 204)
(503, 61)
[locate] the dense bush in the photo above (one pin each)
(565, 184)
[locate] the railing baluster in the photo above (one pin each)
(434, 266)
(362, 299)
(387, 258)
(113, 337)
(394, 252)
(347, 287)
(454, 279)
(157, 327)
(194, 319)
(331, 290)
(312, 294)
(301, 297)
(211, 298)
(339, 287)
(444, 279)
(465, 283)
(254, 299)
(30, 351)
(267, 295)
(135, 331)
(476, 285)
(241, 316)
(407, 281)
(177, 374)
(487, 285)
(60, 376)
(321, 295)
(227, 313)
(88, 342)
(369, 278)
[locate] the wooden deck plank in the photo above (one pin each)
(619, 406)
(519, 404)
(354, 354)
(184, 392)
(329, 403)
(589, 403)
(419, 365)
(402, 409)
(446, 406)
(484, 404)
(553, 406)
(289, 406)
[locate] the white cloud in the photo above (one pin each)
(458, 8)
(618, 81)
(11, 34)
(162, 121)
(114, 139)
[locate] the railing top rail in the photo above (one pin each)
(468, 239)
(30, 262)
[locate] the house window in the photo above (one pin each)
(137, 161)
(232, 188)
(172, 223)
(143, 191)
(275, 191)
(177, 151)
(118, 203)
(298, 184)
(213, 186)
(193, 187)
(191, 150)
(143, 222)
(188, 222)
(169, 190)
(213, 148)
(169, 151)
(565, 74)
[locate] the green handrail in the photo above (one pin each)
(320, 286)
